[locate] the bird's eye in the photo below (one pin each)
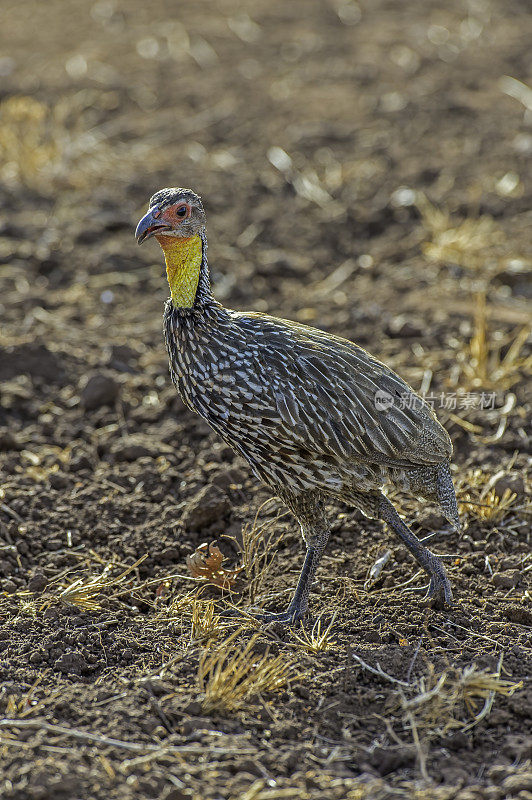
(181, 211)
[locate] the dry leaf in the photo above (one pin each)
(206, 563)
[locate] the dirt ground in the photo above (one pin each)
(364, 169)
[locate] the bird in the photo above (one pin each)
(317, 418)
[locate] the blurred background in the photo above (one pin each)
(313, 131)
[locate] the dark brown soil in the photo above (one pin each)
(101, 463)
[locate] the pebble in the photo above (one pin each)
(401, 328)
(100, 390)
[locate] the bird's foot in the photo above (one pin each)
(439, 592)
(292, 616)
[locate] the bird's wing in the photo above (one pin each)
(337, 398)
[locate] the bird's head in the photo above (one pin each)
(176, 213)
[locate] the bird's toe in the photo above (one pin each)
(439, 592)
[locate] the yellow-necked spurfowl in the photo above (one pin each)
(314, 415)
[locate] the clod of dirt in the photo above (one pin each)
(100, 390)
(130, 448)
(71, 663)
(31, 359)
(519, 615)
(388, 759)
(58, 480)
(37, 583)
(512, 483)
(229, 477)
(506, 580)
(8, 441)
(122, 358)
(208, 506)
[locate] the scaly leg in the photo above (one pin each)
(309, 510)
(439, 586)
(298, 604)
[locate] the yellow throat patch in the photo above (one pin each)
(183, 262)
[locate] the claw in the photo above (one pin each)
(439, 591)
(292, 616)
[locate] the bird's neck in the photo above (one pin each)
(186, 269)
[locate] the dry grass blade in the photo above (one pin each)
(204, 623)
(467, 243)
(492, 508)
(201, 615)
(319, 639)
(259, 543)
(478, 499)
(230, 678)
(481, 363)
(86, 591)
(444, 700)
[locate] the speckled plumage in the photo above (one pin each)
(306, 410)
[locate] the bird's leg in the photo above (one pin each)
(309, 510)
(439, 586)
(298, 604)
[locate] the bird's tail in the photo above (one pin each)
(446, 495)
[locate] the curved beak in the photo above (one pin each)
(149, 225)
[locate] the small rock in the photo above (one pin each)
(100, 390)
(208, 506)
(389, 759)
(8, 586)
(37, 583)
(79, 462)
